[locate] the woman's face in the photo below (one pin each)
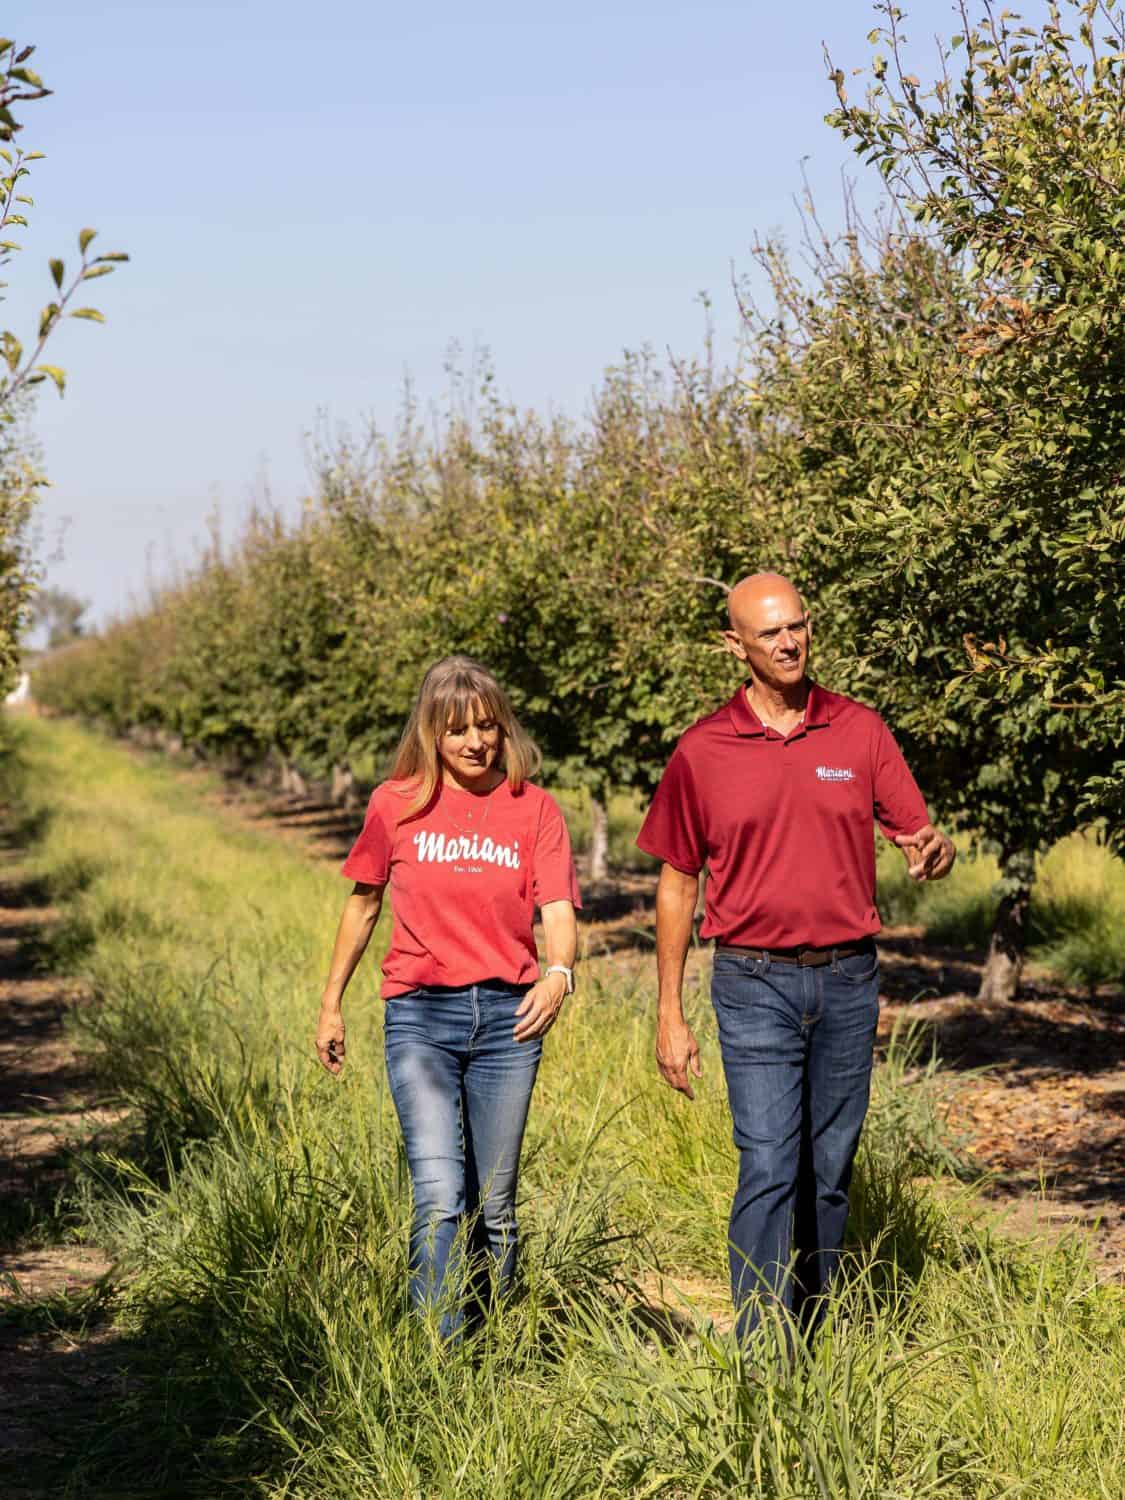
(469, 751)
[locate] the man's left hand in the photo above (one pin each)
(929, 854)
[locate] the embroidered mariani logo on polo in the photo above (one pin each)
(439, 849)
(835, 773)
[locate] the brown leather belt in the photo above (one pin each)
(807, 958)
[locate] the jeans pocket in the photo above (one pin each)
(731, 963)
(730, 976)
(859, 968)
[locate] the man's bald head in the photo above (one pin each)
(761, 594)
(769, 630)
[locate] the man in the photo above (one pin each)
(776, 794)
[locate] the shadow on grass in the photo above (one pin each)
(1030, 1042)
(95, 1413)
(24, 826)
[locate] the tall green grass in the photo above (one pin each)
(1077, 923)
(259, 1210)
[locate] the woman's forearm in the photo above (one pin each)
(357, 923)
(560, 933)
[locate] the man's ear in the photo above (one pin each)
(733, 644)
(808, 626)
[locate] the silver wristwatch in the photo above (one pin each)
(567, 974)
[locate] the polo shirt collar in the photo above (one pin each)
(746, 721)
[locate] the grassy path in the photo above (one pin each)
(256, 1341)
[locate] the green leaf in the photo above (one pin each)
(58, 271)
(56, 374)
(84, 238)
(96, 270)
(88, 312)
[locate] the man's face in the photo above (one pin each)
(772, 637)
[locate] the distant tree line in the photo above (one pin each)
(928, 433)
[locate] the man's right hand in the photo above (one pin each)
(677, 1055)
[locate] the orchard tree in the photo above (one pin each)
(20, 84)
(20, 481)
(946, 423)
(22, 368)
(582, 570)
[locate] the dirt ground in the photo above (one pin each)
(50, 1379)
(1039, 1089)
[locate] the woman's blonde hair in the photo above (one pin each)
(449, 689)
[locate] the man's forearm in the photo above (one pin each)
(675, 911)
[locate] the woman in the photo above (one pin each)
(468, 847)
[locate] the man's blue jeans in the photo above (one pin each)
(797, 1049)
(461, 1087)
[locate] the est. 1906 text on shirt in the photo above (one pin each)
(784, 824)
(464, 876)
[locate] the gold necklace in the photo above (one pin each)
(475, 828)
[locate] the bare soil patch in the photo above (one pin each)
(1039, 1097)
(50, 1381)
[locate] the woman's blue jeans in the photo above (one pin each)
(797, 1048)
(462, 1087)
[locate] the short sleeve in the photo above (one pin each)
(369, 861)
(552, 871)
(899, 805)
(673, 829)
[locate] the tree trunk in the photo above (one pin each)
(343, 786)
(599, 839)
(293, 784)
(1006, 949)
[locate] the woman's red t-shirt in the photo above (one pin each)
(465, 876)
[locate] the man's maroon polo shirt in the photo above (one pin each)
(784, 824)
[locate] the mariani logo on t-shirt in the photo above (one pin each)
(438, 849)
(834, 773)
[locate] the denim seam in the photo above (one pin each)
(475, 998)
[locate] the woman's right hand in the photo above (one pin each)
(330, 1040)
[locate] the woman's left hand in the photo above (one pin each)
(539, 1008)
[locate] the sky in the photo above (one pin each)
(321, 199)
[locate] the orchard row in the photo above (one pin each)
(927, 433)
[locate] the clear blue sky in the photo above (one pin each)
(318, 198)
